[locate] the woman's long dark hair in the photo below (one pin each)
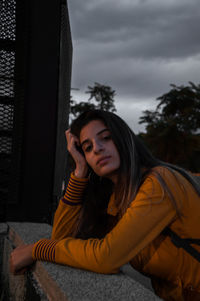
(134, 156)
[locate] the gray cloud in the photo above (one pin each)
(139, 28)
(139, 47)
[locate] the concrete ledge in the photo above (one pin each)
(49, 281)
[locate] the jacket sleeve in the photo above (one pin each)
(143, 221)
(69, 208)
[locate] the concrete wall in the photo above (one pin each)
(50, 281)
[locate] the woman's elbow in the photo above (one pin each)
(106, 268)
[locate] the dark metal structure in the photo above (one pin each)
(35, 75)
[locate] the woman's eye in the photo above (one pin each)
(87, 148)
(107, 137)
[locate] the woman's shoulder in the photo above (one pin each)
(174, 179)
(162, 175)
(166, 172)
(154, 173)
(160, 169)
(151, 181)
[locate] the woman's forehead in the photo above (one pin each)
(93, 128)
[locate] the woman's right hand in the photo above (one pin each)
(81, 164)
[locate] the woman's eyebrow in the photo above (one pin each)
(99, 133)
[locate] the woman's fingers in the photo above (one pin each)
(78, 156)
(13, 267)
(70, 140)
(20, 259)
(21, 272)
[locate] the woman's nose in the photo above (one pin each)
(97, 146)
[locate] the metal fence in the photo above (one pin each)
(21, 65)
(7, 95)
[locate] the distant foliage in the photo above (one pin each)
(179, 107)
(100, 97)
(173, 129)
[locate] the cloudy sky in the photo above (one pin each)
(138, 47)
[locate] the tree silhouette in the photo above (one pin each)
(102, 97)
(172, 129)
(78, 108)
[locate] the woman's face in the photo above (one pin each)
(99, 149)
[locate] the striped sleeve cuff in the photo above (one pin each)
(74, 191)
(44, 249)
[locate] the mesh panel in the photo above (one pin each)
(7, 64)
(7, 19)
(6, 120)
(7, 70)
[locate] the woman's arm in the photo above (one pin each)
(143, 221)
(69, 208)
(65, 217)
(140, 225)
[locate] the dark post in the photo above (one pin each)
(40, 101)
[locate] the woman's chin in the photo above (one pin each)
(111, 174)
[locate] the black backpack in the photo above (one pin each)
(184, 243)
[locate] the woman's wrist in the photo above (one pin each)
(81, 172)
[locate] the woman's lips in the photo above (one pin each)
(103, 160)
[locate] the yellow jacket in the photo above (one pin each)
(136, 238)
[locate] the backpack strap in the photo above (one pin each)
(183, 242)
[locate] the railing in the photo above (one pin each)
(49, 281)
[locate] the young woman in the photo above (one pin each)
(118, 201)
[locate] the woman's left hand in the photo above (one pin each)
(20, 259)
